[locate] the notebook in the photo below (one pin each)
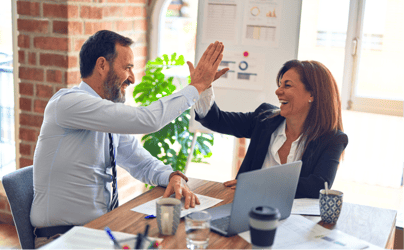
(275, 187)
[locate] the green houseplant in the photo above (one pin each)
(171, 144)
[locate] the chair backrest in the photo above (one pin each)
(20, 193)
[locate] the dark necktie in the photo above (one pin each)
(114, 201)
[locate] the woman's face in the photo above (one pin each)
(293, 96)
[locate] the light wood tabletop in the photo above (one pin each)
(374, 225)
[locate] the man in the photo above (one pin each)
(87, 131)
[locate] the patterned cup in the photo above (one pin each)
(330, 205)
(168, 212)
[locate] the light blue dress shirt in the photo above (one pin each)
(72, 169)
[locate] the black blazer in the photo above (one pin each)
(320, 160)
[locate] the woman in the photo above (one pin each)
(307, 127)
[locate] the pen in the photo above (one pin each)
(108, 231)
(151, 216)
(140, 237)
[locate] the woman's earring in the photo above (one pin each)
(309, 100)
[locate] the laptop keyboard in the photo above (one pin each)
(221, 223)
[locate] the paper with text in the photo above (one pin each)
(299, 232)
(306, 206)
(206, 202)
(88, 238)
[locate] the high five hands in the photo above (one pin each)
(206, 71)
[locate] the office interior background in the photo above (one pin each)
(360, 41)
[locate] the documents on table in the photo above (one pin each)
(299, 232)
(206, 202)
(306, 206)
(88, 238)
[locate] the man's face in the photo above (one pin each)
(120, 75)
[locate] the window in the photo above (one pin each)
(7, 126)
(361, 43)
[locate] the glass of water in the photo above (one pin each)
(197, 228)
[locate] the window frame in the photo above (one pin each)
(349, 99)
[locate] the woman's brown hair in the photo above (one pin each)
(325, 112)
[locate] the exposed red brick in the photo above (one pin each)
(28, 134)
(23, 41)
(34, 26)
(25, 149)
(140, 51)
(54, 76)
(21, 56)
(73, 77)
(28, 8)
(112, 11)
(25, 104)
(58, 60)
(139, 64)
(24, 162)
(116, 1)
(39, 106)
(241, 152)
(44, 91)
(60, 10)
(31, 120)
(132, 11)
(140, 25)
(78, 43)
(71, 28)
(124, 25)
(136, 1)
(32, 58)
(26, 89)
(51, 43)
(91, 12)
(92, 27)
(31, 74)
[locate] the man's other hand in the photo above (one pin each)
(179, 186)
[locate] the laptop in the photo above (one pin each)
(275, 187)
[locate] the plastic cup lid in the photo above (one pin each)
(264, 213)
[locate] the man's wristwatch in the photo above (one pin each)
(178, 173)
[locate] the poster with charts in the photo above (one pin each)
(220, 22)
(261, 23)
(247, 70)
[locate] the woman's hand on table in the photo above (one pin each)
(231, 184)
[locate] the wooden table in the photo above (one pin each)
(374, 225)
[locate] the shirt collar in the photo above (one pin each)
(84, 86)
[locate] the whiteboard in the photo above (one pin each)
(259, 37)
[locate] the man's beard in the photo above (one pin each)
(112, 88)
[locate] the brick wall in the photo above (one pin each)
(50, 35)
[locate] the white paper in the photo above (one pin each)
(150, 206)
(261, 23)
(306, 206)
(299, 232)
(220, 22)
(88, 238)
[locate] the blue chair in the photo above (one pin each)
(20, 193)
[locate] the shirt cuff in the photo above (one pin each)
(163, 178)
(191, 94)
(205, 102)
